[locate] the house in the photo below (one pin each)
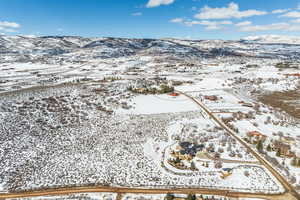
(257, 135)
(178, 154)
(176, 164)
(185, 145)
(285, 149)
(211, 98)
(226, 172)
(187, 148)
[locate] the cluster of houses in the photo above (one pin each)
(283, 145)
(187, 151)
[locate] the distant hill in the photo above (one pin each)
(273, 39)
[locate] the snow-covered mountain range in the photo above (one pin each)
(80, 49)
(274, 39)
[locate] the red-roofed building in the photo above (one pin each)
(174, 94)
(257, 135)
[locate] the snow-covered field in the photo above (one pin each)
(68, 117)
(155, 104)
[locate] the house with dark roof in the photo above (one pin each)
(191, 149)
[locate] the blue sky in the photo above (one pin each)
(194, 19)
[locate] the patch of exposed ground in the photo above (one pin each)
(288, 101)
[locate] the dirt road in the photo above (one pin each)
(120, 191)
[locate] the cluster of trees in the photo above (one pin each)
(163, 88)
(252, 66)
(285, 65)
(269, 149)
(112, 78)
(166, 88)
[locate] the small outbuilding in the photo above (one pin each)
(174, 94)
(211, 97)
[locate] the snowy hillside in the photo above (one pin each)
(62, 49)
(274, 39)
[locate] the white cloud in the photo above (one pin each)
(137, 14)
(279, 11)
(9, 30)
(214, 27)
(232, 11)
(177, 20)
(296, 21)
(293, 14)
(191, 23)
(271, 27)
(9, 26)
(244, 23)
(155, 3)
(209, 25)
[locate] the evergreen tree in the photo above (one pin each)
(191, 197)
(259, 146)
(177, 160)
(278, 153)
(193, 166)
(169, 196)
(269, 148)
